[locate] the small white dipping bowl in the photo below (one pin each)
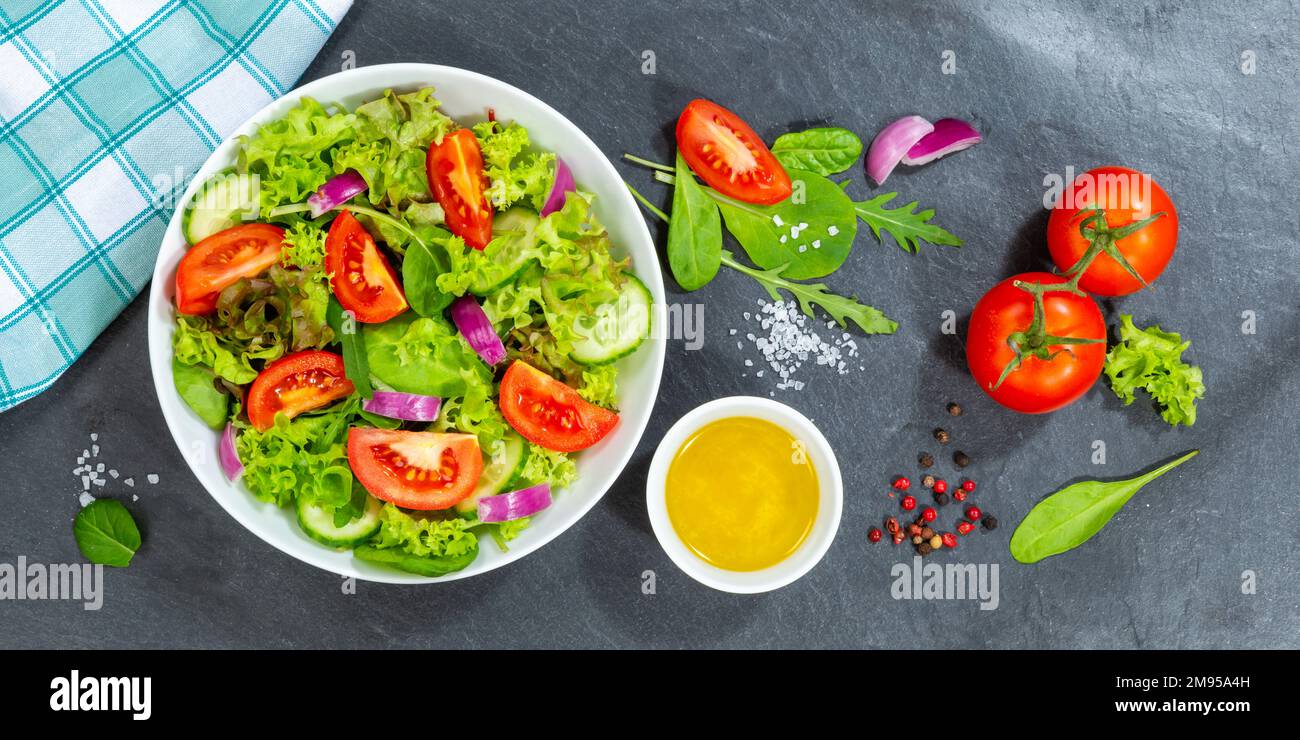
(830, 495)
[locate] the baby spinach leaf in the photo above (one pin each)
(842, 309)
(420, 270)
(355, 363)
(694, 232)
(1072, 515)
(197, 387)
(771, 235)
(106, 533)
(425, 566)
(903, 224)
(824, 151)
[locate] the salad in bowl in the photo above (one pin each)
(405, 328)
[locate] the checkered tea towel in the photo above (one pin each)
(107, 107)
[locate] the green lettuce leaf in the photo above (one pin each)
(427, 545)
(305, 456)
(515, 175)
(291, 155)
(1151, 359)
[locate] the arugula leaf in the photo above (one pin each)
(818, 250)
(1072, 515)
(694, 232)
(1152, 359)
(824, 151)
(106, 533)
(355, 363)
(840, 308)
(906, 227)
(196, 385)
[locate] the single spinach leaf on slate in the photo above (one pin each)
(420, 270)
(824, 151)
(197, 387)
(348, 333)
(906, 227)
(694, 232)
(106, 533)
(816, 250)
(1072, 515)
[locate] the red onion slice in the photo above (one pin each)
(514, 505)
(405, 406)
(892, 143)
(336, 191)
(949, 135)
(561, 187)
(477, 329)
(230, 464)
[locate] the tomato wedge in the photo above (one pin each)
(296, 383)
(221, 260)
(456, 178)
(415, 470)
(729, 156)
(549, 413)
(360, 275)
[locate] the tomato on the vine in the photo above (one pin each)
(1035, 366)
(1137, 222)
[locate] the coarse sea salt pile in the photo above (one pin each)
(792, 340)
(91, 473)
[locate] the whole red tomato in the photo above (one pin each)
(1050, 374)
(1126, 198)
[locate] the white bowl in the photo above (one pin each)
(830, 501)
(465, 96)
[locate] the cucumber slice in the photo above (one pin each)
(318, 523)
(614, 329)
(509, 251)
(218, 205)
(497, 472)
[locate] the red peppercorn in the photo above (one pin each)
(874, 534)
(968, 486)
(929, 514)
(973, 513)
(949, 539)
(940, 486)
(959, 495)
(902, 483)
(964, 527)
(909, 503)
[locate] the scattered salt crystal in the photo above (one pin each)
(94, 450)
(81, 461)
(783, 238)
(832, 230)
(733, 332)
(94, 436)
(749, 363)
(130, 482)
(792, 341)
(803, 225)
(803, 248)
(776, 219)
(817, 243)
(85, 482)
(113, 473)
(86, 499)
(135, 497)
(153, 478)
(99, 468)
(100, 481)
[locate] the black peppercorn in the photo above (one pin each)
(990, 522)
(941, 436)
(926, 459)
(941, 499)
(960, 459)
(954, 409)
(924, 549)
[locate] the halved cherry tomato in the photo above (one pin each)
(296, 383)
(415, 470)
(221, 260)
(1125, 196)
(360, 275)
(455, 169)
(549, 413)
(728, 155)
(1037, 385)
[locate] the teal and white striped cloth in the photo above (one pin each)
(107, 108)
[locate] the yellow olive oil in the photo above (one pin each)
(742, 493)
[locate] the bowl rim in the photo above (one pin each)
(649, 271)
(831, 489)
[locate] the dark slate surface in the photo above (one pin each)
(1051, 85)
